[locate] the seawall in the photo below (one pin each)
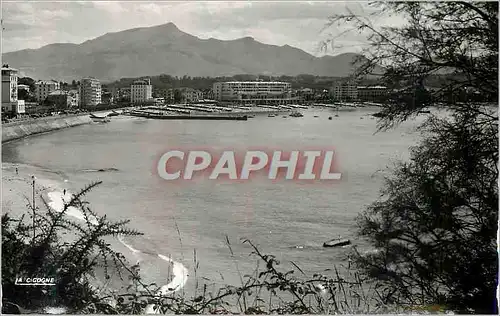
(16, 130)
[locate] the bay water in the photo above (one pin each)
(189, 221)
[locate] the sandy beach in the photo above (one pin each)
(17, 199)
(17, 187)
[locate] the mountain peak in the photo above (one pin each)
(146, 51)
(170, 26)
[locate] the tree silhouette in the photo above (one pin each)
(435, 224)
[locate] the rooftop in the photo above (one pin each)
(58, 92)
(8, 69)
(141, 82)
(46, 82)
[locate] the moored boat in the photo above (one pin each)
(99, 119)
(338, 242)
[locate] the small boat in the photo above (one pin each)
(330, 118)
(113, 113)
(338, 242)
(284, 116)
(336, 115)
(315, 116)
(101, 119)
(377, 115)
(271, 115)
(92, 115)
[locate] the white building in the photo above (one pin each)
(372, 93)
(90, 92)
(345, 90)
(253, 91)
(141, 91)
(10, 103)
(43, 88)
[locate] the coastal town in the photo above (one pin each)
(27, 98)
(24, 97)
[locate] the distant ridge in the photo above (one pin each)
(147, 51)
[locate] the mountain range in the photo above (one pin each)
(165, 49)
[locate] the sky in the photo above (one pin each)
(30, 24)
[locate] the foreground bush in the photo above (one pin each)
(37, 250)
(435, 225)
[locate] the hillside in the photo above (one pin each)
(166, 49)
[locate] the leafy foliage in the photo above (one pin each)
(434, 226)
(38, 251)
(459, 39)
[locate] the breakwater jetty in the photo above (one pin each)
(17, 130)
(24, 128)
(206, 112)
(189, 116)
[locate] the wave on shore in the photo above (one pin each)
(180, 274)
(57, 200)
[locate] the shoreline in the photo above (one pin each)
(22, 129)
(51, 130)
(17, 197)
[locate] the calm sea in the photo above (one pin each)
(287, 219)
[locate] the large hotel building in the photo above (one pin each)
(348, 90)
(44, 88)
(345, 90)
(141, 91)
(258, 92)
(90, 92)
